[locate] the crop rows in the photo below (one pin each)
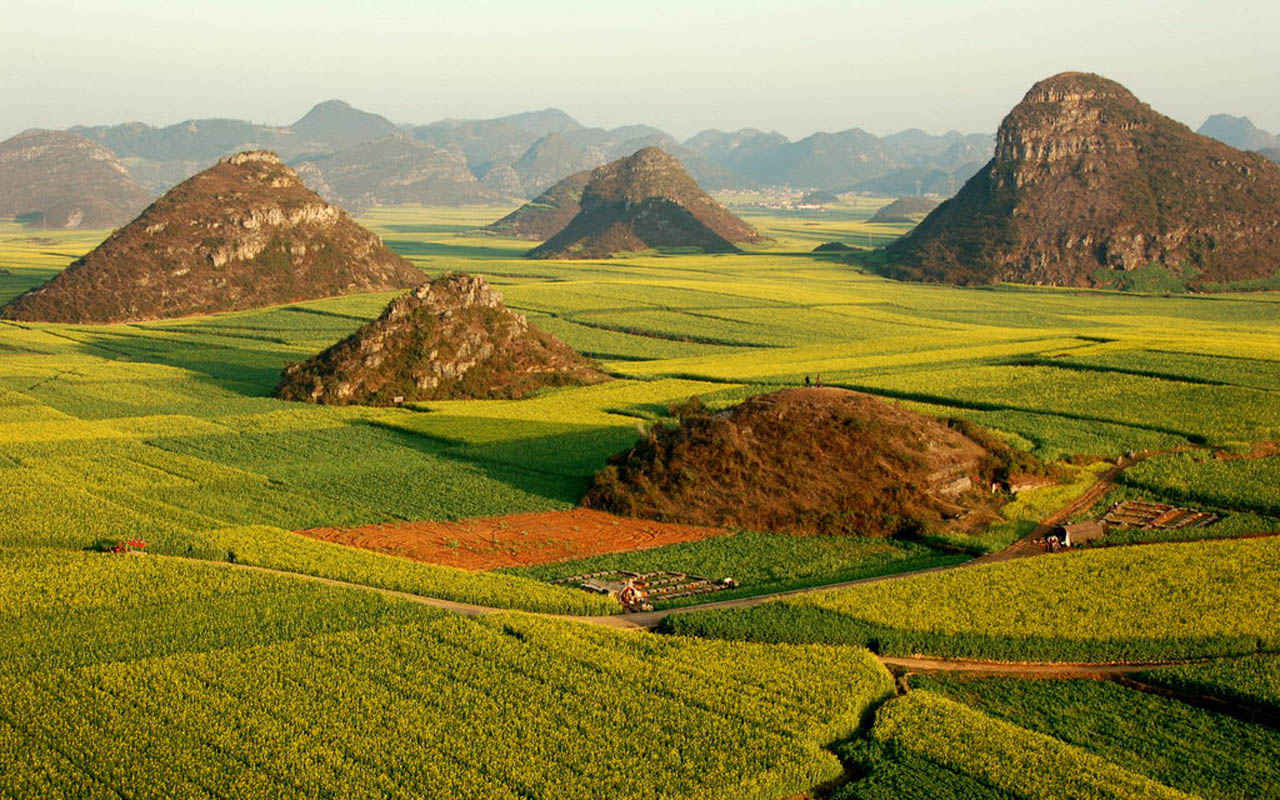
(1204, 753)
(1251, 484)
(439, 706)
(1250, 681)
(1000, 754)
(1120, 604)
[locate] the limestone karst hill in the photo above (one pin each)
(448, 338)
(905, 209)
(810, 460)
(545, 215)
(645, 201)
(242, 234)
(53, 179)
(1091, 187)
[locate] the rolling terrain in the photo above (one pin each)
(228, 673)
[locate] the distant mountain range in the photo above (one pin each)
(359, 159)
(1239, 132)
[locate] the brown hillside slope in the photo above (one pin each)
(449, 338)
(393, 170)
(642, 202)
(53, 179)
(242, 234)
(905, 209)
(814, 460)
(1088, 183)
(545, 215)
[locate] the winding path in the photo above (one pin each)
(1025, 547)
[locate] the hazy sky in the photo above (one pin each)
(792, 65)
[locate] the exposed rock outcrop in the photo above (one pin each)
(448, 338)
(241, 234)
(642, 202)
(1089, 184)
(52, 179)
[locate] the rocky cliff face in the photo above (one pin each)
(51, 179)
(448, 338)
(641, 202)
(242, 234)
(1088, 184)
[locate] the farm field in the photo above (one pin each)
(167, 427)
(759, 562)
(189, 680)
(232, 682)
(961, 752)
(518, 539)
(1155, 602)
(1200, 752)
(1251, 681)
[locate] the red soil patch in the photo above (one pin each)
(514, 540)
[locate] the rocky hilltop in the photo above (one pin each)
(241, 234)
(1091, 187)
(393, 170)
(449, 338)
(545, 215)
(905, 209)
(813, 460)
(642, 202)
(52, 179)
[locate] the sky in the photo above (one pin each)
(795, 66)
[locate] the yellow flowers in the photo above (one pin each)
(360, 697)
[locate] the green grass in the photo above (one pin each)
(1203, 753)
(193, 681)
(1249, 484)
(760, 562)
(1001, 755)
(1112, 604)
(1252, 681)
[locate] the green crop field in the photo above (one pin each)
(166, 430)
(1109, 604)
(155, 676)
(1252, 681)
(962, 747)
(1200, 752)
(760, 562)
(135, 677)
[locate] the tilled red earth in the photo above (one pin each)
(514, 540)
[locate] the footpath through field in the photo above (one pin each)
(1026, 547)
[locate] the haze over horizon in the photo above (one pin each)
(813, 65)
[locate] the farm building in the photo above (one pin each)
(1081, 533)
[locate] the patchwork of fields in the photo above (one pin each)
(254, 685)
(190, 680)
